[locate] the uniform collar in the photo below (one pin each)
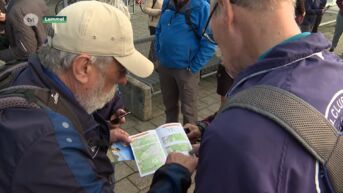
(291, 39)
(48, 80)
(283, 54)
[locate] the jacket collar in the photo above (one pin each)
(282, 55)
(35, 75)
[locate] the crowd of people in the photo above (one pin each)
(59, 93)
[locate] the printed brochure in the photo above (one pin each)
(150, 148)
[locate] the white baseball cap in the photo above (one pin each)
(99, 29)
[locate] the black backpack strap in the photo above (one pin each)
(187, 14)
(190, 24)
(301, 120)
(9, 72)
(35, 97)
(31, 96)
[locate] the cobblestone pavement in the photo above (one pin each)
(126, 173)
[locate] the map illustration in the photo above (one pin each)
(150, 148)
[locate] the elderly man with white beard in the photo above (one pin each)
(55, 131)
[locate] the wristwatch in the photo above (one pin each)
(202, 126)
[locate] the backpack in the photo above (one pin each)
(28, 96)
(301, 120)
(187, 13)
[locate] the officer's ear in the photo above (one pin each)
(82, 68)
(225, 8)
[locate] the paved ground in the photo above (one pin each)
(126, 173)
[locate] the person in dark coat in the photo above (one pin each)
(320, 16)
(3, 39)
(24, 29)
(300, 11)
(339, 26)
(314, 9)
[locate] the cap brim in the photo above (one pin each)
(136, 64)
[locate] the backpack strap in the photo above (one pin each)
(9, 72)
(187, 14)
(28, 96)
(166, 6)
(301, 120)
(190, 24)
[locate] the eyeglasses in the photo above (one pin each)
(205, 34)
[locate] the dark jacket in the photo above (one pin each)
(3, 10)
(23, 39)
(42, 150)
(340, 5)
(171, 178)
(244, 152)
(313, 9)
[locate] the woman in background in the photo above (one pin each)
(153, 9)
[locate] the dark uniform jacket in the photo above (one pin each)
(245, 152)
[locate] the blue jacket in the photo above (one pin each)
(244, 152)
(176, 44)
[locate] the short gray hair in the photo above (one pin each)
(60, 61)
(260, 4)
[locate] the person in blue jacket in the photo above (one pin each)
(245, 152)
(60, 145)
(182, 52)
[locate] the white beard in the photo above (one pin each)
(94, 98)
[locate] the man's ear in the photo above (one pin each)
(81, 68)
(226, 9)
